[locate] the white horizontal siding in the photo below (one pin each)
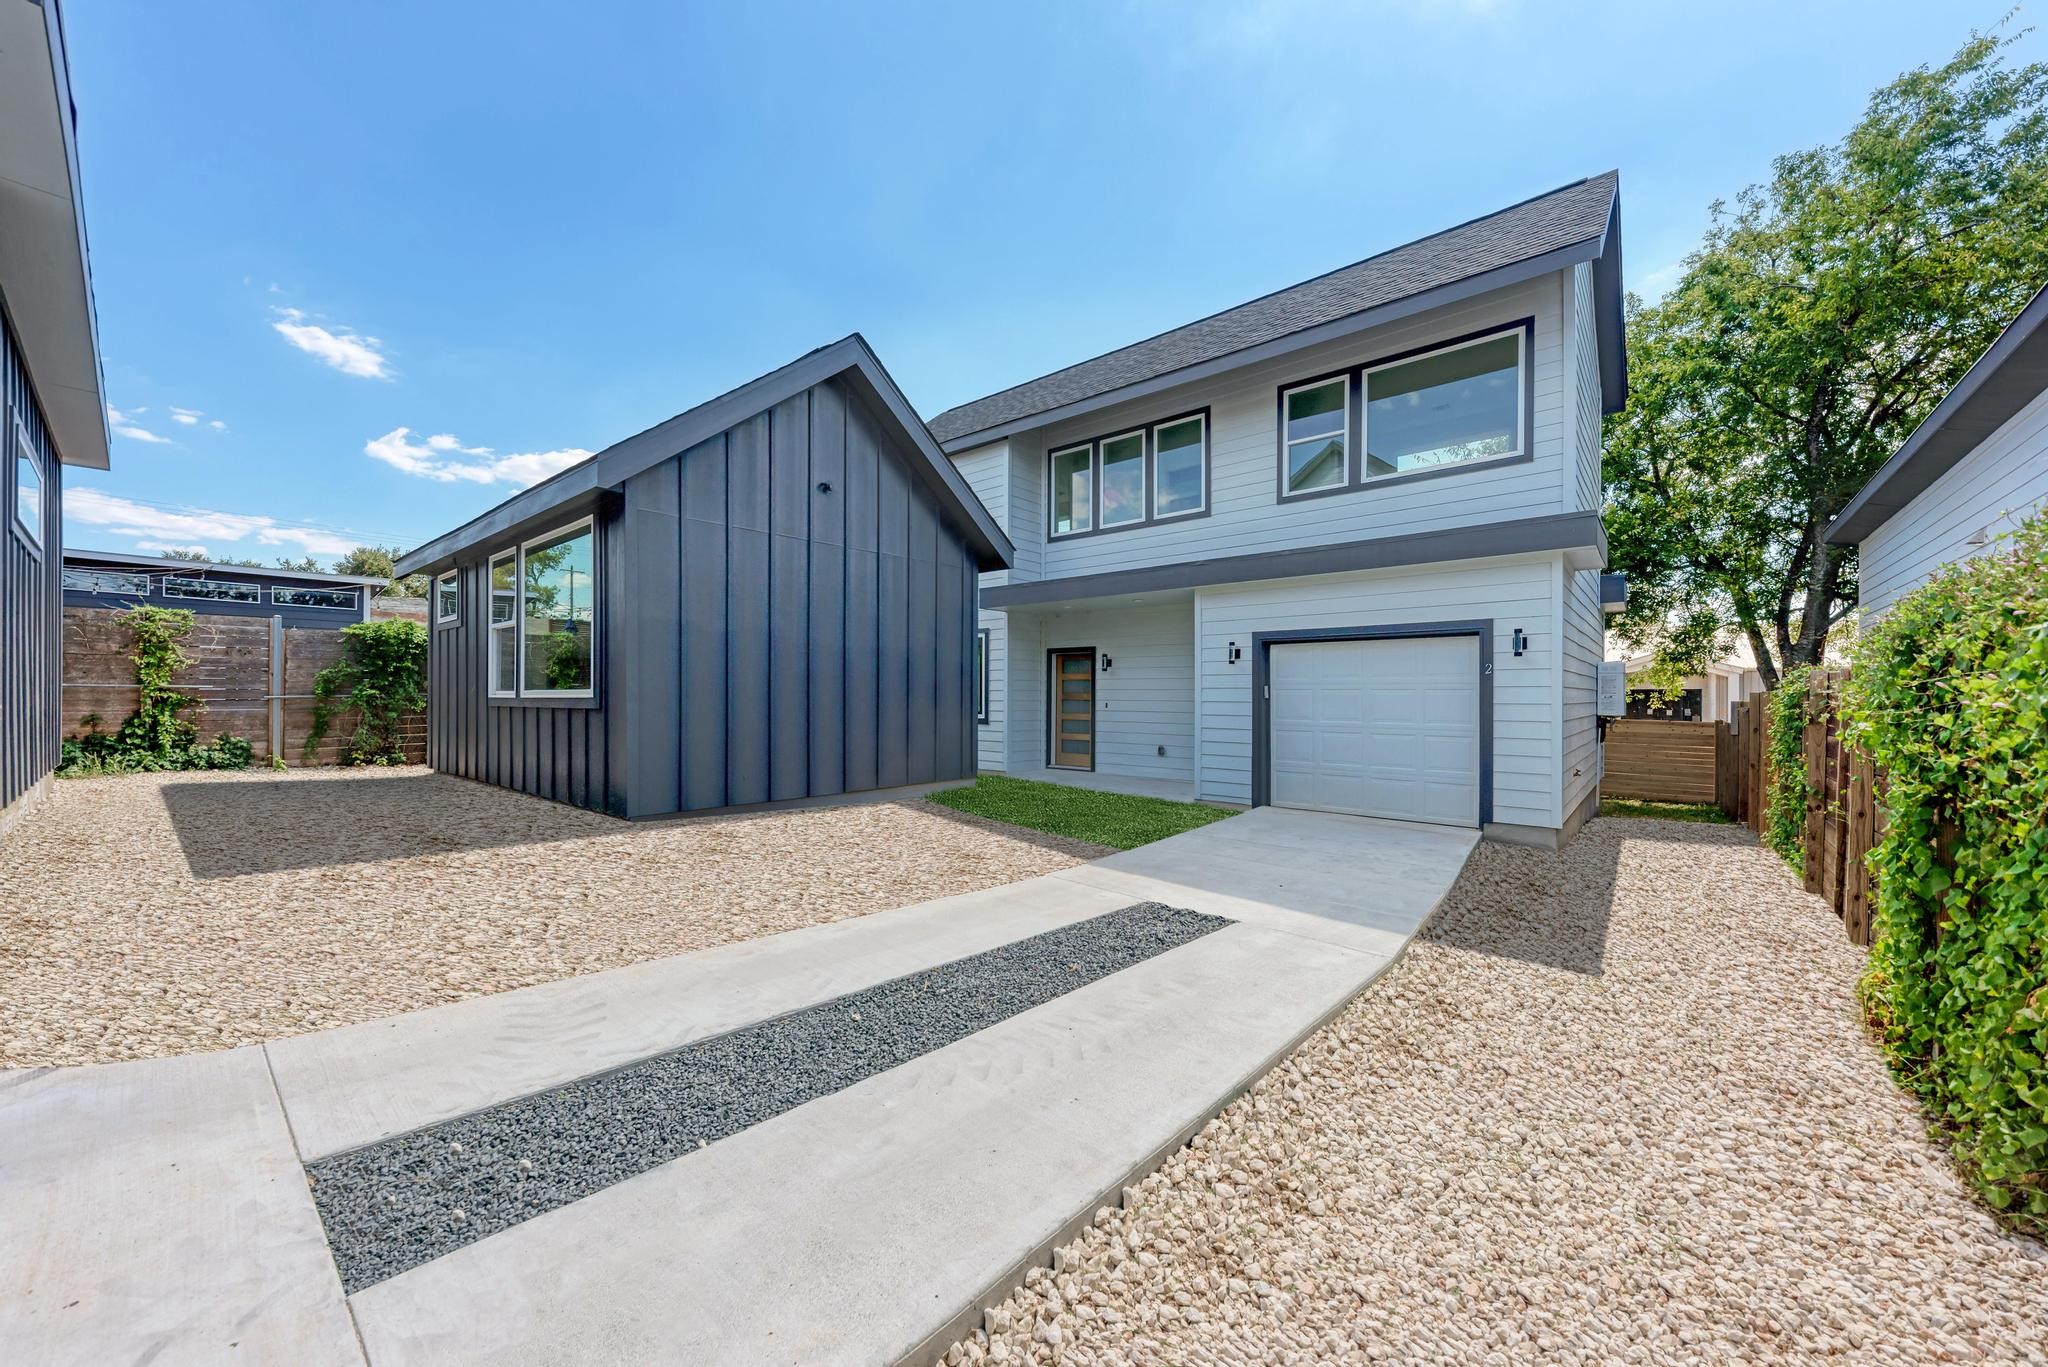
(989, 752)
(1584, 636)
(1991, 490)
(1247, 515)
(987, 472)
(1145, 701)
(1513, 593)
(1584, 488)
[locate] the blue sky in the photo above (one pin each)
(364, 270)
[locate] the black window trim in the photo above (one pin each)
(1355, 478)
(1148, 430)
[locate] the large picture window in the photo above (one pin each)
(212, 590)
(1458, 403)
(1131, 478)
(558, 588)
(314, 598)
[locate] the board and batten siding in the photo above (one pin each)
(784, 614)
(31, 608)
(563, 753)
(1520, 592)
(1247, 515)
(1991, 491)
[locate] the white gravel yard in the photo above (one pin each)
(161, 914)
(1614, 1106)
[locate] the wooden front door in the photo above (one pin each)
(1073, 709)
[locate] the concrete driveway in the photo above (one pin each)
(836, 1144)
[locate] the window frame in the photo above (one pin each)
(1356, 479)
(492, 625)
(255, 590)
(130, 592)
(453, 578)
(1147, 433)
(25, 453)
(1347, 427)
(982, 643)
(354, 604)
(1101, 467)
(518, 694)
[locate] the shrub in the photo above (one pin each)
(1785, 807)
(156, 736)
(382, 677)
(1949, 696)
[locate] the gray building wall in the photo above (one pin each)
(31, 617)
(785, 613)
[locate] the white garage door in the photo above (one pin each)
(1377, 728)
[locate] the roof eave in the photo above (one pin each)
(1972, 411)
(1501, 277)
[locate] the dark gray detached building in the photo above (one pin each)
(52, 406)
(303, 598)
(767, 598)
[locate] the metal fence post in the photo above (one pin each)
(276, 689)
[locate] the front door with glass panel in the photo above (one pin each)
(1073, 709)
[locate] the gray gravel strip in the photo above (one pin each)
(404, 1201)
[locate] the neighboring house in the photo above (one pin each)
(1337, 548)
(1707, 697)
(52, 406)
(113, 579)
(1969, 474)
(765, 599)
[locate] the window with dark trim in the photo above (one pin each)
(314, 598)
(1430, 410)
(1132, 477)
(981, 676)
(217, 590)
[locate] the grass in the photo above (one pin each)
(1115, 819)
(1705, 812)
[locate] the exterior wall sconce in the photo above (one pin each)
(1235, 653)
(1105, 664)
(1521, 641)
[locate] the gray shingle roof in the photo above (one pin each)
(1562, 218)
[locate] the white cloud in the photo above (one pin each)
(188, 417)
(217, 425)
(160, 527)
(345, 350)
(443, 457)
(124, 425)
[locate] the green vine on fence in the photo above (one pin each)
(1949, 696)
(1785, 805)
(157, 735)
(381, 677)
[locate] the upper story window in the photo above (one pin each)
(447, 597)
(544, 615)
(107, 581)
(1417, 413)
(314, 598)
(215, 590)
(28, 487)
(1132, 478)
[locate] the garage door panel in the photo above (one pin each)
(1376, 728)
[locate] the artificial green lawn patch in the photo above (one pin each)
(1115, 819)
(1669, 811)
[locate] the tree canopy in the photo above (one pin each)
(1821, 319)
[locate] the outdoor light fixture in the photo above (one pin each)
(1521, 641)
(1235, 653)
(1105, 664)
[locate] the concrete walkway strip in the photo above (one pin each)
(154, 1212)
(404, 1201)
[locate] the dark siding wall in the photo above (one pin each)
(31, 616)
(780, 641)
(567, 754)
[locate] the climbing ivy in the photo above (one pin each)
(381, 677)
(1949, 696)
(1785, 812)
(156, 735)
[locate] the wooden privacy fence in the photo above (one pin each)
(1840, 821)
(252, 675)
(1660, 761)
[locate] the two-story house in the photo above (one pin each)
(1336, 548)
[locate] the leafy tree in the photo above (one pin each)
(195, 554)
(305, 564)
(1822, 318)
(382, 561)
